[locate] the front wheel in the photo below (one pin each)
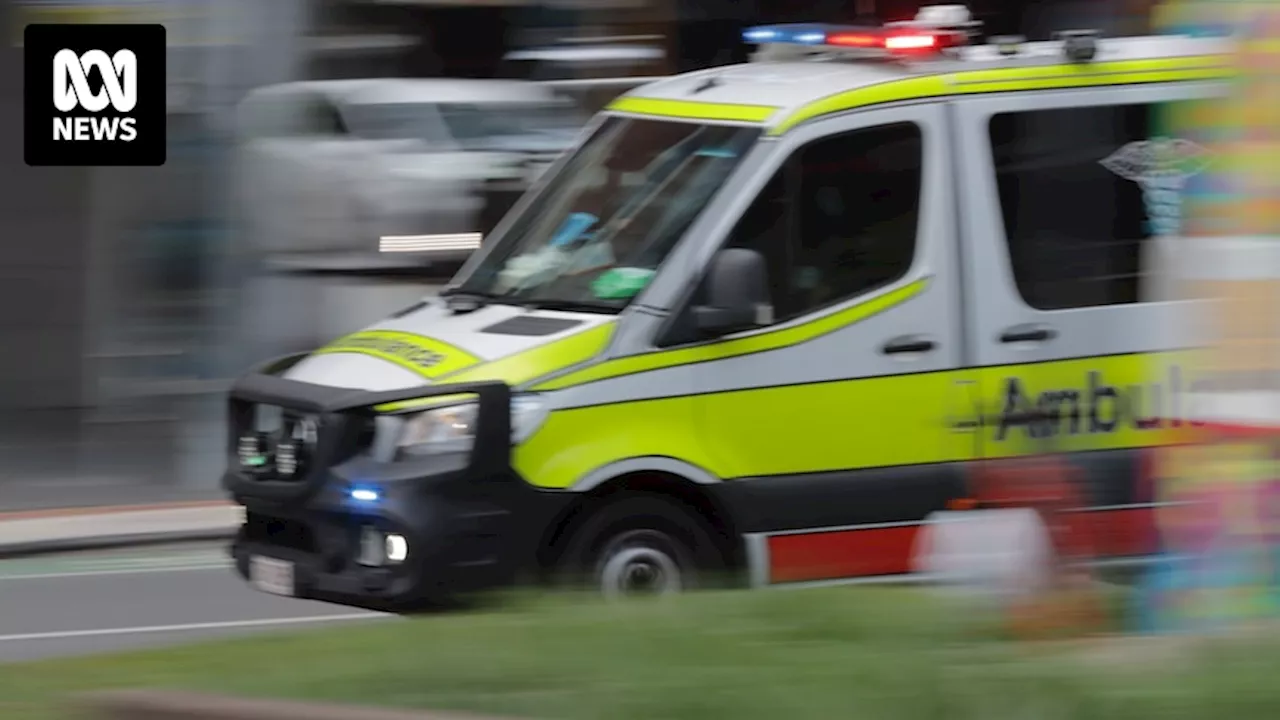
(641, 547)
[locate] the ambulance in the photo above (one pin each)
(757, 325)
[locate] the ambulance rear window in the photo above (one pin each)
(1075, 228)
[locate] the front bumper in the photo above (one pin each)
(468, 520)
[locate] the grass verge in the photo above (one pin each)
(820, 654)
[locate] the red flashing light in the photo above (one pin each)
(911, 42)
(856, 40)
(899, 41)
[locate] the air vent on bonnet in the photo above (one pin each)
(531, 325)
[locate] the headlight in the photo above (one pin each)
(452, 428)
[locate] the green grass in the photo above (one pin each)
(823, 654)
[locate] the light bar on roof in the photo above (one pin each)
(894, 40)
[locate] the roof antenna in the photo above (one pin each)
(707, 84)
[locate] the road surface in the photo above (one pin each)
(105, 601)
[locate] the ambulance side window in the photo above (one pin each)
(838, 219)
(1075, 227)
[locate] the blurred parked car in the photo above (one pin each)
(367, 168)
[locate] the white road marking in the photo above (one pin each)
(116, 571)
(189, 558)
(112, 560)
(189, 627)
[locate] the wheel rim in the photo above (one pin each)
(640, 564)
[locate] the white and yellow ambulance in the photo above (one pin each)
(759, 323)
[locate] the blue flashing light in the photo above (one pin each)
(786, 34)
(760, 35)
(364, 495)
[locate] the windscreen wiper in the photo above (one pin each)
(462, 300)
(464, 292)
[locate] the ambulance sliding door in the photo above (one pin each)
(1065, 195)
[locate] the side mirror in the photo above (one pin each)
(737, 294)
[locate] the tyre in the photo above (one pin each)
(641, 546)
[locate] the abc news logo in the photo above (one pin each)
(95, 95)
(71, 90)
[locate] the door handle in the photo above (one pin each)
(1028, 333)
(908, 344)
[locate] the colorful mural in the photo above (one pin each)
(1219, 487)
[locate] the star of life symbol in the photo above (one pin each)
(1161, 167)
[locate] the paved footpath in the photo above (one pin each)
(24, 529)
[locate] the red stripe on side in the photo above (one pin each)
(1235, 430)
(865, 552)
(1124, 532)
(841, 554)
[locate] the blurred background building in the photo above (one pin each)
(125, 292)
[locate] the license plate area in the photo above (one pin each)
(272, 576)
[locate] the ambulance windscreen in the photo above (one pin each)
(598, 231)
